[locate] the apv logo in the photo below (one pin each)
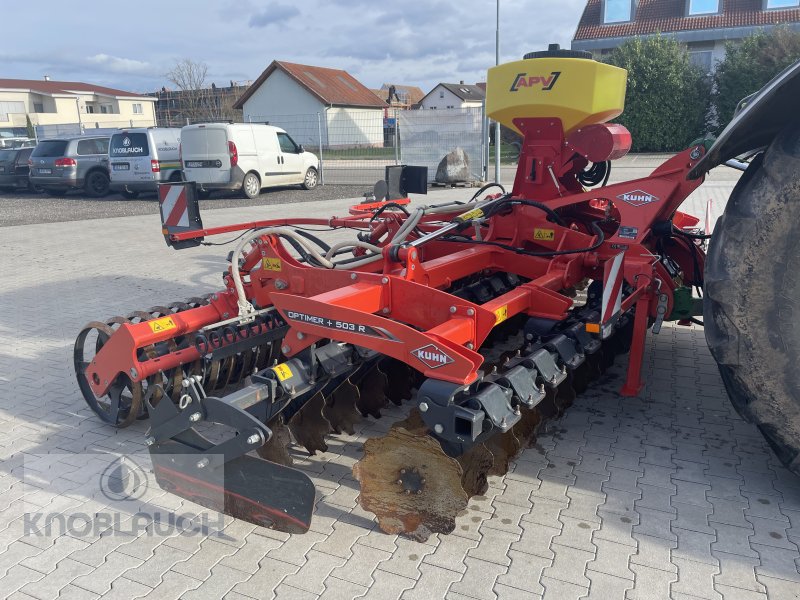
(523, 80)
(432, 356)
(637, 198)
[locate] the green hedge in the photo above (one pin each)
(667, 98)
(750, 64)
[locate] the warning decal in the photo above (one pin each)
(544, 235)
(271, 264)
(500, 314)
(163, 324)
(282, 371)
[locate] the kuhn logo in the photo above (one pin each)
(544, 82)
(637, 198)
(432, 356)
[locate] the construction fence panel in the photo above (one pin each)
(428, 136)
(354, 145)
(44, 132)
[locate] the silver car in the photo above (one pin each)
(62, 164)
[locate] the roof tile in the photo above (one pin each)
(667, 16)
(63, 87)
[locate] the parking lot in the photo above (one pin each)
(667, 495)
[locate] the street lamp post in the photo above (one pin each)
(497, 123)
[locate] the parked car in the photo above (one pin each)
(14, 169)
(140, 159)
(58, 165)
(16, 142)
(245, 157)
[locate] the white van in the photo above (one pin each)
(140, 159)
(246, 157)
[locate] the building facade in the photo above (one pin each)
(453, 95)
(704, 26)
(316, 106)
(55, 103)
(176, 108)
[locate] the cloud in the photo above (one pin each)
(273, 14)
(115, 64)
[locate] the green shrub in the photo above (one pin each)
(749, 64)
(667, 98)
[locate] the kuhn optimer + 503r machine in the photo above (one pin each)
(469, 310)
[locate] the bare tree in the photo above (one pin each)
(194, 98)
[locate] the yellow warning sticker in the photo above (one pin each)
(163, 324)
(271, 264)
(544, 235)
(282, 371)
(500, 314)
(471, 215)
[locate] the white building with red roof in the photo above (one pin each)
(308, 101)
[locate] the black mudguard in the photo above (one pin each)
(764, 115)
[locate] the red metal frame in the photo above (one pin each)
(404, 299)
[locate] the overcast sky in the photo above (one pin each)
(132, 44)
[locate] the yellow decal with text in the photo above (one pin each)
(163, 324)
(500, 314)
(282, 371)
(271, 264)
(545, 235)
(470, 215)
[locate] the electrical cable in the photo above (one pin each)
(238, 237)
(486, 187)
(694, 236)
(541, 206)
(601, 236)
(595, 174)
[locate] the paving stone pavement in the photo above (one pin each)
(668, 495)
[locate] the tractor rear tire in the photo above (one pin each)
(752, 296)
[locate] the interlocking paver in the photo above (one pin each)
(450, 553)
(605, 586)
(313, 573)
(270, 574)
(695, 578)
(153, 570)
(737, 571)
(101, 579)
(221, 580)
(569, 565)
(524, 572)
(563, 590)
(613, 558)
(389, 586)
(779, 588)
(479, 579)
(651, 583)
(173, 585)
(433, 583)
(777, 562)
(336, 589)
(64, 573)
(406, 559)
(360, 567)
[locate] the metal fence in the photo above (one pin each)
(44, 132)
(356, 145)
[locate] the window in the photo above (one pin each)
(287, 144)
(701, 59)
(702, 7)
(90, 109)
(93, 146)
(137, 109)
(773, 4)
(617, 11)
(450, 106)
(129, 144)
(107, 109)
(38, 107)
(441, 93)
(50, 149)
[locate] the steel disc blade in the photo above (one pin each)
(276, 449)
(340, 408)
(504, 447)
(309, 427)
(410, 484)
(476, 464)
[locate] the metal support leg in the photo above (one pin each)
(633, 381)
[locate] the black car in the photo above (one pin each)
(14, 169)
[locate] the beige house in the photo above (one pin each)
(71, 102)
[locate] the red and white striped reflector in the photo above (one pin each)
(612, 288)
(174, 209)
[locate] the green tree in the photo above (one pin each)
(751, 63)
(29, 125)
(667, 98)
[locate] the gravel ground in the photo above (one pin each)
(19, 208)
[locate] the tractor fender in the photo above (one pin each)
(757, 121)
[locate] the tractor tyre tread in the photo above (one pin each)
(752, 291)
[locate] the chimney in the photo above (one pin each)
(461, 82)
(47, 77)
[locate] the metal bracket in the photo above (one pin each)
(661, 312)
